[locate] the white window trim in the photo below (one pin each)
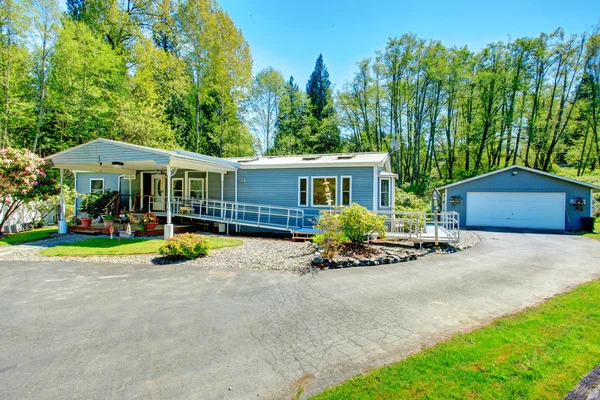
(97, 179)
(312, 186)
(342, 189)
(308, 192)
(173, 180)
(389, 193)
(189, 186)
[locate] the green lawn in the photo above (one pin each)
(540, 353)
(597, 229)
(116, 247)
(29, 236)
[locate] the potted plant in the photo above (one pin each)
(94, 204)
(75, 221)
(148, 222)
(455, 200)
(579, 203)
(109, 220)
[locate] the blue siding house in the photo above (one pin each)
(261, 193)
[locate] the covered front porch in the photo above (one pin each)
(168, 184)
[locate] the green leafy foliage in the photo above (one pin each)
(407, 201)
(186, 246)
(331, 236)
(357, 223)
(23, 179)
(94, 204)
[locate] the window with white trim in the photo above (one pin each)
(177, 187)
(346, 192)
(196, 186)
(385, 192)
(96, 185)
(302, 191)
(319, 191)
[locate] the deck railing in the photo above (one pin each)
(409, 223)
(413, 224)
(258, 215)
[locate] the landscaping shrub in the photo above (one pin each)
(94, 204)
(331, 237)
(357, 223)
(596, 205)
(408, 201)
(187, 246)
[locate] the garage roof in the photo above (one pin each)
(589, 185)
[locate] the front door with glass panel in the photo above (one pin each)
(158, 192)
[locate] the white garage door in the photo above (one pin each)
(516, 210)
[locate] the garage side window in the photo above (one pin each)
(302, 191)
(96, 185)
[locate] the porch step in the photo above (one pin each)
(302, 236)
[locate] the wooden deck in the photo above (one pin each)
(99, 229)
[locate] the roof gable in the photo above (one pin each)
(554, 176)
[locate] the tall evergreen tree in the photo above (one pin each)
(318, 89)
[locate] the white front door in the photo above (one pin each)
(516, 210)
(158, 192)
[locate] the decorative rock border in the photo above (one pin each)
(392, 256)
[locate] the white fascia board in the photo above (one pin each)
(535, 171)
(197, 165)
(322, 165)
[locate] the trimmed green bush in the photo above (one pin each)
(357, 223)
(186, 246)
(331, 237)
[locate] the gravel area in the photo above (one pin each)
(467, 239)
(254, 253)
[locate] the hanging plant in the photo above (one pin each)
(455, 200)
(579, 203)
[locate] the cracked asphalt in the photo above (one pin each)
(85, 330)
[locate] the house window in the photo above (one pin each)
(319, 197)
(196, 187)
(177, 187)
(346, 190)
(385, 193)
(302, 191)
(96, 185)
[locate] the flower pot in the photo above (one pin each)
(86, 222)
(151, 225)
(108, 223)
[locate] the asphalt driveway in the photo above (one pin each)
(84, 330)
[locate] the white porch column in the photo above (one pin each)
(222, 186)
(130, 194)
(375, 189)
(62, 224)
(169, 225)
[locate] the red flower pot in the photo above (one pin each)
(151, 225)
(86, 222)
(109, 223)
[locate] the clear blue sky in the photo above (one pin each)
(289, 35)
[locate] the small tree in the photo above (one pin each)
(357, 223)
(23, 179)
(330, 234)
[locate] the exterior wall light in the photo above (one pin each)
(117, 164)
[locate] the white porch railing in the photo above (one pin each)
(420, 225)
(257, 215)
(409, 223)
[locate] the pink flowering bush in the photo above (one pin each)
(23, 178)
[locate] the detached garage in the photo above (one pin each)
(520, 197)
